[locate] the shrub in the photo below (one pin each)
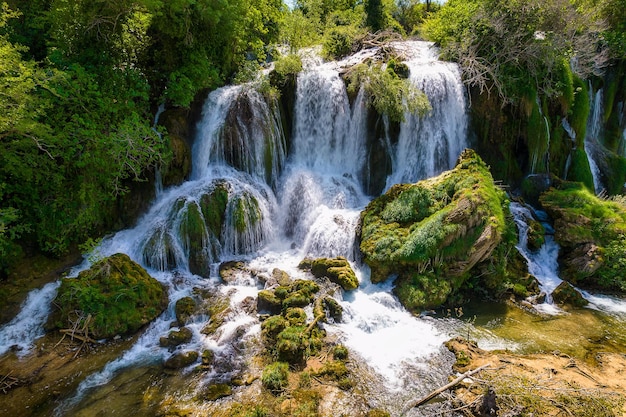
(275, 376)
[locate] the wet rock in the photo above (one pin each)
(181, 359)
(184, 309)
(208, 356)
(281, 277)
(338, 270)
(268, 302)
(176, 337)
(566, 294)
(231, 271)
(216, 391)
(249, 305)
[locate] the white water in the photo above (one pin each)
(594, 132)
(431, 144)
(26, 327)
(543, 265)
(303, 204)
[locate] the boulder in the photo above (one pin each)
(566, 294)
(231, 271)
(338, 270)
(592, 235)
(116, 296)
(432, 234)
(176, 337)
(181, 359)
(185, 307)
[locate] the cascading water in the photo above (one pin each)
(543, 265)
(430, 144)
(594, 132)
(248, 199)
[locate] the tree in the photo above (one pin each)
(375, 15)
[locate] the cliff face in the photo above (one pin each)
(434, 234)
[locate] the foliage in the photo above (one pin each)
(275, 376)
(288, 65)
(513, 46)
(388, 93)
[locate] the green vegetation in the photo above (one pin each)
(433, 234)
(115, 296)
(275, 376)
(338, 270)
(592, 232)
(388, 92)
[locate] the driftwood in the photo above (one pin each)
(80, 333)
(8, 382)
(438, 391)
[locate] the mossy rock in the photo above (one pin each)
(536, 235)
(565, 294)
(181, 359)
(229, 271)
(185, 307)
(338, 270)
(268, 301)
(117, 293)
(592, 235)
(275, 377)
(176, 337)
(216, 391)
(432, 234)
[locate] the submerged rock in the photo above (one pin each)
(592, 235)
(181, 359)
(432, 234)
(116, 296)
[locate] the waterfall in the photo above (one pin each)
(594, 132)
(26, 327)
(431, 144)
(248, 199)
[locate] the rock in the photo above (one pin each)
(592, 235)
(184, 309)
(338, 270)
(207, 357)
(117, 293)
(281, 277)
(268, 302)
(176, 337)
(488, 406)
(176, 121)
(230, 271)
(566, 294)
(181, 359)
(431, 234)
(216, 391)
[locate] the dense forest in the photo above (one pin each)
(81, 82)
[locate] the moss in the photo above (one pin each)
(216, 391)
(432, 233)
(377, 413)
(268, 301)
(275, 377)
(580, 171)
(295, 316)
(117, 293)
(213, 207)
(271, 327)
(246, 212)
(337, 269)
(580, 111)
(185, 307)
(340, 352)
(592, 232)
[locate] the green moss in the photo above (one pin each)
(580, 170)
(117, 293)
(275, 377)
(337, 269)
(272, 327)
(340, 352)
(184, 308)
(582, 219)
(580, 111)
(216, 391)
(433, 232)
(213, 207)
(295, 316)
(246, 212)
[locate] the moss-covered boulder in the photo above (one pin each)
(181, 359)
(176, 337)
(432, 234)
(592, 235)
(116, 296)
(338, 270)
(566, 294)
(185, 307)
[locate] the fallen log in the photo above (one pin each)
(433, 394)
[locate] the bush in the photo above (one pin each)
(275, 376)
